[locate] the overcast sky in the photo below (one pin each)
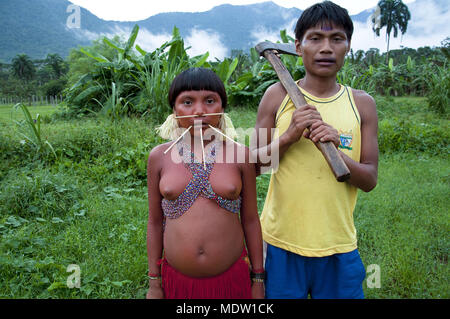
(429, 21)
(134, 10)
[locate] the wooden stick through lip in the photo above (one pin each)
(203, 149)
(186, 116)
(218, 131)
(176, 141)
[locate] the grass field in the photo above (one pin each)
(89, 207)
(7, 112)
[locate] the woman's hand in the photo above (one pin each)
(258, 290)
(155, 291)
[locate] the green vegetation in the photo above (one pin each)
(117, 77)
(403, 227)
(138, 84)
(73, 179)
(26, 80)
(89, 207)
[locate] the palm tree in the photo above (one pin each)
(23, 67)
(56, 62)
(392, 14)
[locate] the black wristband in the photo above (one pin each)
(260, 275)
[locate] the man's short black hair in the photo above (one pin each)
(197, 79)
(324, 12)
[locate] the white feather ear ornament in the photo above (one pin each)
(170, 129)
(227, 127)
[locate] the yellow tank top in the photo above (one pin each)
(306, 210)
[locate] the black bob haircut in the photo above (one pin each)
(325, 12)
(197, 79)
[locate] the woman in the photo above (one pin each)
(202, 205)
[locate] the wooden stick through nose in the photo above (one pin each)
(186, 116)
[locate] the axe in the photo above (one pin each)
(270, 50)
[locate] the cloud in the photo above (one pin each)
(83, 34)
(261, 33)
(149, 41)
(202, 41)
(429, 18)
(428, 27)
(145, 39)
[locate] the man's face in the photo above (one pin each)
(323, 49)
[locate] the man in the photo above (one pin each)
(307, 220)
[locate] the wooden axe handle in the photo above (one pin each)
(329, 151)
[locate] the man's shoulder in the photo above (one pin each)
(362, 97)
(365, 104)
(273, 97)
(276, 88)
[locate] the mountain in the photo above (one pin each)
(234, 23)
(39, 27)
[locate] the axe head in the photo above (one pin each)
(288, 48)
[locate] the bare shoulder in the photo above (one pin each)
(362, 96)
(366, 105)
(276, 89)
(272, 99)
(157, 153)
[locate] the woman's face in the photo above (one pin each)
(198, 103)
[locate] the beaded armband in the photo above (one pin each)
(154, 276)
(258, 275)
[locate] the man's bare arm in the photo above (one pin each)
(364, 174)
(267, 149)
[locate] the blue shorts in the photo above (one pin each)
(291, 276)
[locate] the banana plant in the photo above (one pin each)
(225, 69)
(159, 69)
(31, 130)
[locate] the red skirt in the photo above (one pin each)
(234, 283)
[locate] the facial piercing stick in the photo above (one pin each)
(176, 141)
(203, 149)
(218, 131)
(211, 114)
(186, 116)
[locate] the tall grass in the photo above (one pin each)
(31, 131)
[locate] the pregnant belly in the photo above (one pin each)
(205, 241)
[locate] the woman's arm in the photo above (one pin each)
(250, 222)
(155, 222)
